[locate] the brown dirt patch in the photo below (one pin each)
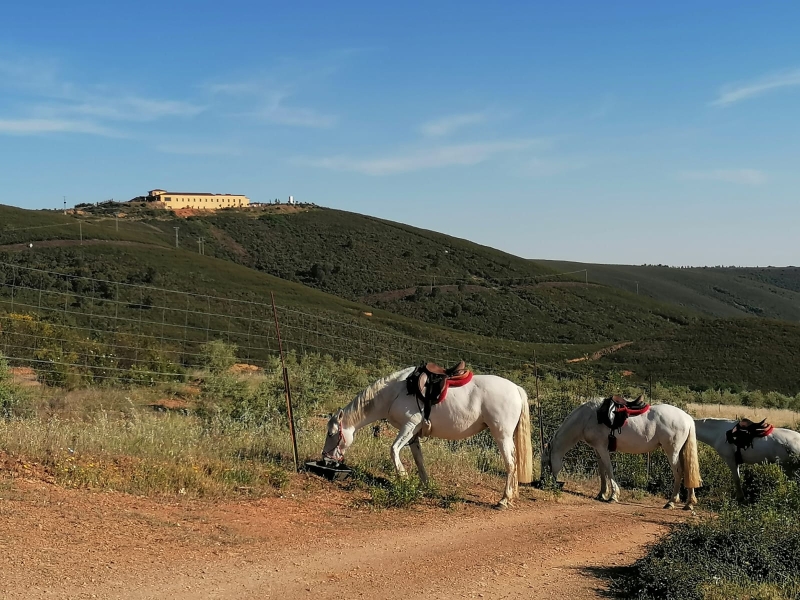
(24, 376)
(317, 540)
(171, 404)
(240, 368)
(600, 353)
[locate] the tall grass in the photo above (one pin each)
(231, 437)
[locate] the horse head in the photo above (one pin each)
(338, 438)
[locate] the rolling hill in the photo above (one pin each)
(771, 292)
(432, 286)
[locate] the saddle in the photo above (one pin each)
(744, 432)
(429, 383)
(614, 412)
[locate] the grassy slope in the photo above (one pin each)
(771, 292)
(352, 255)
(186, 271)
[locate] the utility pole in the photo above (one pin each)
(176, 236)
(586, 277)
(637, 288)
(116, 221)
(200, 246)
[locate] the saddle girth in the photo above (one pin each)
(744, 432)
(614, 413)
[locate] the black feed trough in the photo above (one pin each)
(329, 469)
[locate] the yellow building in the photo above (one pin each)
(176, 200)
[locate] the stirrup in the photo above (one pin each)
(426, 428)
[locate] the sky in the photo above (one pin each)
(615, 132)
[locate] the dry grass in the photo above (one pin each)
(779, 417)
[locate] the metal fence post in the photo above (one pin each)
(288, 392)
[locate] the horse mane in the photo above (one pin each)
(356, 410)
(593, 403)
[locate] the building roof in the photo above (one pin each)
(165, 193)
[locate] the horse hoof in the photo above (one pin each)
(688, 507)
(613, 500)
(600, 498)
(669, 505)
(502, 505)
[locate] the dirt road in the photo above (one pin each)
(315, 542)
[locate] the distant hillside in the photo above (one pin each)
(313, 320)
(426, 285)
(360, 258)
(771, 292)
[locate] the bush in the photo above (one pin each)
(754, 547)
(217, 356)
(13, 401)
(401, 492)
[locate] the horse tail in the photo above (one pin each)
(523, 450)
(689, 461)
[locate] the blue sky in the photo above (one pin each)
(603, 132)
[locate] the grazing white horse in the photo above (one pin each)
(487, 401)
(778, 447)
(663, 425)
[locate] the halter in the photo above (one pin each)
(338, 443)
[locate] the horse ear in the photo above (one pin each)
(340, 415)
(640, 398)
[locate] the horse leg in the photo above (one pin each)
(691, 500)
(507, 451)
(416, 451)
(403, 437)
(737, 479)
(604, 456)
(677, 476)
(603, 494)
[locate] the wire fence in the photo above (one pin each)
(79, 330)
(103, 327)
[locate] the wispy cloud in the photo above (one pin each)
(733, 93)
(269, 102)
(446, 125)
(131, 108)
(54, 105)
(275, 111)
(547, 167)
(208, 148)
(43, 126)
(738, 176)
(425, 158)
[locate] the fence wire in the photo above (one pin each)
(72, 328)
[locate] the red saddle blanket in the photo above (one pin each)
(457, 381)
(614, 413)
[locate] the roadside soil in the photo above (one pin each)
(315, 540)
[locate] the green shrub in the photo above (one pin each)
(217, 356)
(756, 546)
(14, 402)
(401, 492)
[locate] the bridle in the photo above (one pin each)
(331, 455)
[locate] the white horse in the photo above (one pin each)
(487, 401)
(778, 447)
(663, 425)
